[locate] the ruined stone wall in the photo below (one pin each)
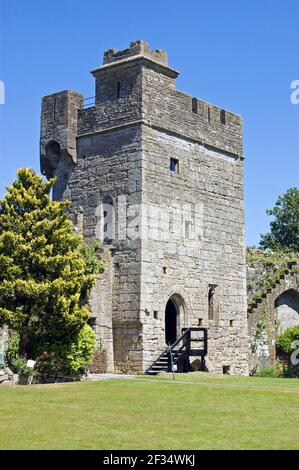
(273, 303)
(58, 146)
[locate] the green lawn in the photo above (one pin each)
(197, 411)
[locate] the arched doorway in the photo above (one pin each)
(174, 318)
(171, 319)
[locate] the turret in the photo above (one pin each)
(58, 149)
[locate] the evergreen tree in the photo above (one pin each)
(44, 275)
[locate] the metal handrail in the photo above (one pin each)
(180, 338)
(171, 347)
(173, 354)
(89, 102)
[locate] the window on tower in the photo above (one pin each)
(174, 165)
(211, 301)
(108, 220)
(118, 89)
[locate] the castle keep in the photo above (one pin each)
(157, 176)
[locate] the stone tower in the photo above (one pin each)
(157, 176)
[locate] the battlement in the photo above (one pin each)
(134, 86)
(136, 49)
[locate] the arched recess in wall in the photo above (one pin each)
(55, 164)
(287, 309)
(52, 158)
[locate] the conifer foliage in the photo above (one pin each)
(44, 275)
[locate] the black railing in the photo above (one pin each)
(89, 102)
(201, 340)
(179, 352)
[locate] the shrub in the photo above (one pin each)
(20, 366)
(286, 344)
(274, 371)
(68, 357)
(12, 351)
(285, 340)
(47, 364)
(16, 362)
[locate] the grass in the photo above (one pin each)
(197, 411)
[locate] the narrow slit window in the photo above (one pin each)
(211, 301)
(188, 226)
(108, 220)
(118, 89)
(174, 165)
(209, 115)
(194, 106)
(222, 116)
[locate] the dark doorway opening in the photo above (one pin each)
(170, 322)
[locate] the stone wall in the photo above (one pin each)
(203, 189)
(58, 148)
(273, 303)
(109, 166)
(99, 364)
(172, 167)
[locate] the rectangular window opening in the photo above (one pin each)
(174, 165)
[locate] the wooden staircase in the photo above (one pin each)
(176, 357)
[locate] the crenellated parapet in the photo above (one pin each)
(136, 49)
(138, 86)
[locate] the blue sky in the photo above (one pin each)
(239, 55)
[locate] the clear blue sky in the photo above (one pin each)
(239, 55)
